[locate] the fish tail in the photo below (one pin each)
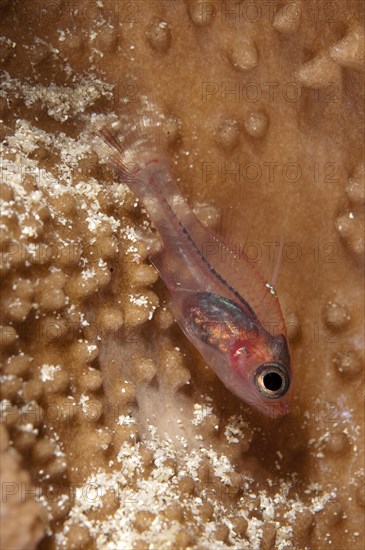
(131, 141)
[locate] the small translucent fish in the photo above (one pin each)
(225, 308)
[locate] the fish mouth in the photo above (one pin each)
(276, 411)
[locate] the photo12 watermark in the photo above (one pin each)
(272, 92)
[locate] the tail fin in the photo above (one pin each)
(130, 139)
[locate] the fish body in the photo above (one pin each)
(225, 308)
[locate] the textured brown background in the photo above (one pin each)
(249, 86)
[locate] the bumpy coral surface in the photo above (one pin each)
(114, 433)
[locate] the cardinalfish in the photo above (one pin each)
(224, 306)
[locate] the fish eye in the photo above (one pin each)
(272, 380)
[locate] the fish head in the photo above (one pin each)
(251, 362)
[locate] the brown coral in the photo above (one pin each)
(106, 409)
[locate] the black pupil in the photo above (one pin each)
(272, 381)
